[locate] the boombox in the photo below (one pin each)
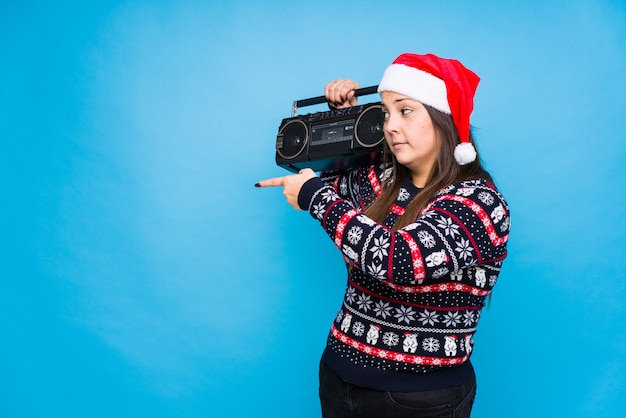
(330, 140)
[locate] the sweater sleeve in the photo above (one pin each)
(463, 226)
(357, 185)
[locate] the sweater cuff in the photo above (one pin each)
(307, 191)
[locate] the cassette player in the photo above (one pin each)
(334, 139)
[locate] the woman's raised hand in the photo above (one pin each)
(340, 93)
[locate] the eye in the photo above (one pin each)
(385, 115)
(406, 111)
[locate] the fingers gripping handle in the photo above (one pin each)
(322, 99)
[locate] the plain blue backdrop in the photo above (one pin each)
(142, 274)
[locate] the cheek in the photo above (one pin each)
(426, 128)
(428, 135)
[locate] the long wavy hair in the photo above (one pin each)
(445, 171)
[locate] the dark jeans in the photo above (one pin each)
(340, 399)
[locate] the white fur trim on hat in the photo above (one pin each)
(464, 153)
(416, 84)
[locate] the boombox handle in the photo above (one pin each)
(322, 99)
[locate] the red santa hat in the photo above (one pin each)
(444, 84)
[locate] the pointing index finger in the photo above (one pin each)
(273, 182)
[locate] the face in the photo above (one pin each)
(410, 134)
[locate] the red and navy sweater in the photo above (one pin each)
(414, 296)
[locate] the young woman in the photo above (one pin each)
(424, 237)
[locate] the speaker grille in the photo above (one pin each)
(369, 127)
(292, 139)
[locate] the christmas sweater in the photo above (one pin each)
(414, 296)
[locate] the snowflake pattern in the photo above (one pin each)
(339, 316)
(449, 228)
(426, 239)
(391, 339)
(451, 319)
(403, 195)
(383, 309)
(358, 329)
(430, 344)
(376, 270)
(486, 198)
(504, 226)
(405, 313)
(428, 318)
(364, 302)
(354, 234)
(343, 186)
(464, 248)
(440, 272)
(468, 319)
(329, 195)
(492, 280)
(350, 294)
(379, 248)
(445, 238)
(318, 210)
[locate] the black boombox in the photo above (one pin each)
(335, 139)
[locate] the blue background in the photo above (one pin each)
(141, 274)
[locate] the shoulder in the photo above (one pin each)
(474, 206)
(479, 190)
(479, 197)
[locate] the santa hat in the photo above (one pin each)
(444, 84)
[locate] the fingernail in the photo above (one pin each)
(257, 184)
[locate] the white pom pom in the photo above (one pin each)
(464, 153)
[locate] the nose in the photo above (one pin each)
(391, 123)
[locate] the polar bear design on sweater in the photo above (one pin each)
(345, 323)
(450, 345)
(372, 334)
(410, 342)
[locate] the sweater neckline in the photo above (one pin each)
(410, 187)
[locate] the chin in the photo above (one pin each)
(404, 160)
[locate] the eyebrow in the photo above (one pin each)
(400, 100)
